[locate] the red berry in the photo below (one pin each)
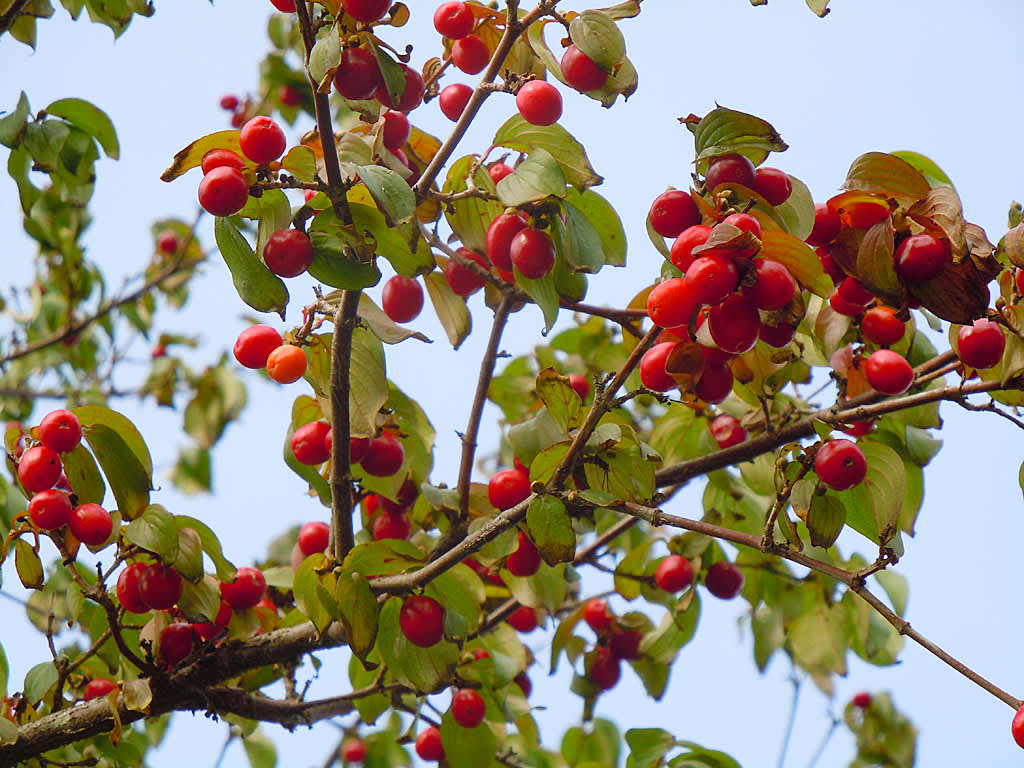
(775, 286)
(920, 257)
(229, 102)
(223, 191)
(403, 499)
(652, 367)
(309, 443)
(167, 241)
(727, 430)
(499, 171)
(428, 745)
(388, 524)
(674, 573)
(523, 619)
(470, 54)
(176, 642)
(246, 590)
(826, 225)
(221, 158)
(50, 509)
(1018, 279)
(129, 588)
(499, 239)
(724, 580)
(421, 620)
(454, 20)
(288, 252)
(262, 140)
(358, 75)
(881, 326)
(580, 384)
(730, 169)
(412, 94)
(255, 344)
(508, 487)
(859, 428)
(776, 336)
(712, 278)
(580, 71)
(402, 299)
(773, 185)
(863, 214)
(453, 100)
(671, 303)
(853, 292)
(284, 6)
(525, 561)
(844, 307)
(673, 212)
(208, 630)
(287, 363)
(100, 686)
(840, 464)
(160, 586)
(862, 700)
(366, 10)
(384, 456)
(238, 119)
(468, 708)
(681, 253)
(604, 670)
(744, 222)
(734, 323)
(39, 468)
(532, 252)
(462, 280)
(980, 345)
(358, 447)
(888, 372)
(396, 130)
(597, 615)
(539, 103)
(289, 96)
(91, 524)
(524, 683)
(625, 643)
(829, 264)
(353, 751)
(715, 382)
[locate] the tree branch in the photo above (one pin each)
(342, 536)
(11, 15)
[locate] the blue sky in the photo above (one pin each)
(941, 78)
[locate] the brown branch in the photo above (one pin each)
(483, 385)
(342, 536)
(624, 317)
(322, 105)
(852, 580)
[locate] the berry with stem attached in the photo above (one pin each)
(840, 464)
(674, 573)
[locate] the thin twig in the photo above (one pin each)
(790, 721)
(824, 742)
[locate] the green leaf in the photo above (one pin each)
(28, 565)
(38, 680)
(604, 220)
(13, 123)
(424, 668)
(4, 672)
(799, 258)
(469, 217)
(382, 558)
(394, 77)
(698, 756)
(543, 291)
(530, 437)
(648, 746)
(359, 612)
(91, 119)
(83, 475)
(8, 731)
(90, 415)
(211, 546)
(257, 286)
(260, 749)
(895, 586)
(887, 175)
(137, 695)
(451, 309)
(926, 167)
(155, 530)
(275, 215)
(676, 629)
(324, 56)
(519, 135)
(368, 384)
(200, 601)
(797, 212)
(816, 639)
(192, 155)
(465, 747)
(383, 327)
(724, 131)
(304, 410)
(825, 520)
(769, 634)
(535, 179)
(130, 480)
(461, 593)
(307, 599)
(599, 37)
(551, 530)
(189, 561)
(300, 162)
(393, 196)
(561, 399)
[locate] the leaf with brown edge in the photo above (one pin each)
(887, 175)
(875, 266)
(959, 293)
(941, 213)
(726, 239)
(799, 258)
(685, 364)
(982, 250)
(1013, 245)
(192, 155)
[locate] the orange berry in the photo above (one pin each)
(286, 364)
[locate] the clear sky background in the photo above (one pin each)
(939, 77)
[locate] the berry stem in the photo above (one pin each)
(342, 536)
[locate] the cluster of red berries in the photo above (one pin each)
(380, 456)
(41, 473)
(617, 643)
(261, 346)
(387, 518)
(224, 189)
